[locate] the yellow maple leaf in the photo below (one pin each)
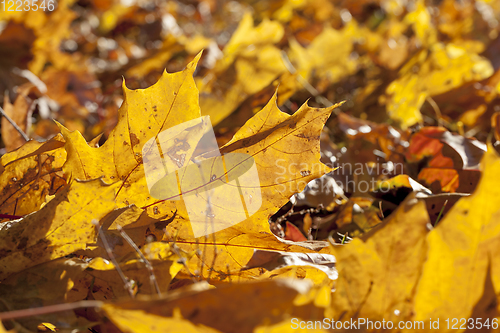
(463, 253)
(378, 272)
(132, 321)
(250, 62)
(144, 114)
(50, 282)
(29, 174)
(240, 307)
(50, 26)
(165, 266)
(328, 55)
(61, 227)
(286, 152)
(428, 73)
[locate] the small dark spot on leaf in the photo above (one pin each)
(133, 139)
(22, 243)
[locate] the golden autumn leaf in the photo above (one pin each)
(400, 181)
(267, 136)
(264, 302)
(132, 321)
(144, 114)
(272, 260)
(170, 46)
(29, 174)
(439, 69)
(159, 229)
(420, 19)
(47, 284)
(327, 56)
(378, 272)
(165, 266)
(250, 62)
(49, 30)
(62, 226)
(447, 271)
(20, 113)
(38, 279)
(462, 252)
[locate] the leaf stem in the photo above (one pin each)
(13, 123)
(441, 212)
(310, 89)
(126, 281)
(50, 309)
(152, 276)
(10, 217)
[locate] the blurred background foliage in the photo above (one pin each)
(420, 80)
(405, 63)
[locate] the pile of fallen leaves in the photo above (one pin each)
(389, 212)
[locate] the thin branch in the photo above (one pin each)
(441, 212)
(13, 123)
(49, 309)
(310, 89)
(152, 277)
(229, 273)
(126, 281)
(208, 214)
(176, 251)
(11, 217)
(437, 110)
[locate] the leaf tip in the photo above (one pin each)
(335, 106)
(124, 85)
(194, 63)
(63, 129)
(274, 98)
